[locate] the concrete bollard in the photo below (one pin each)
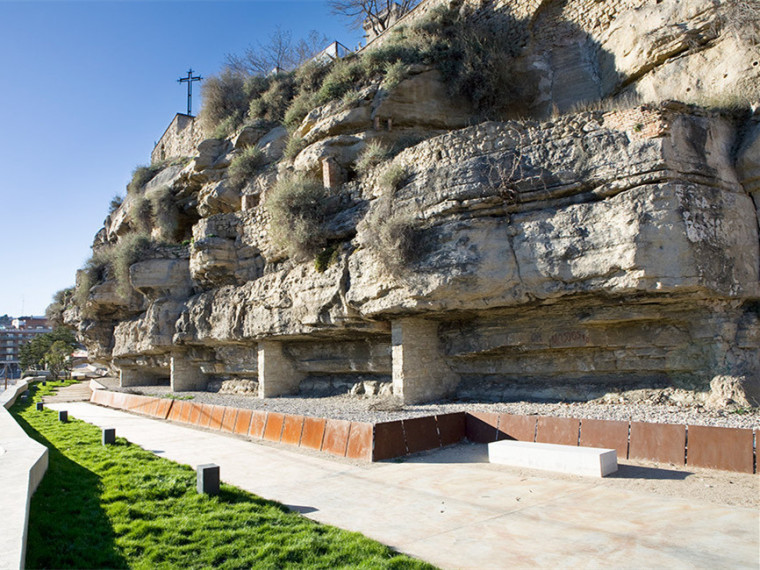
(208, 479)
(40, 406)
(63, 416)
(108, 436)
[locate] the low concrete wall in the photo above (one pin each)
(23, 463)
(728, 449)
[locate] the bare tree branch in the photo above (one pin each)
(279, 52)
(379, 14)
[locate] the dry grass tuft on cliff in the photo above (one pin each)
(141, 175)
(742, 17)
(296, 205)
(245, 165)
(396, 237)
(111, 261)
(373, 154)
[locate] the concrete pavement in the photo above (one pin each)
(455, 510)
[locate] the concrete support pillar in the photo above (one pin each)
(420, 371)
(277, 375)
(248, 202)
(130, 377)
(186, 374)
(331, 173)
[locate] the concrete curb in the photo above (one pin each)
(23, 463)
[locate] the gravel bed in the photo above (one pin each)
(381, 409)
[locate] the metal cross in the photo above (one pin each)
(189, 80)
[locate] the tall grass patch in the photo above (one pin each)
(371, 155)
(141, 175)
(111, 262)
(297, 206)
(395, 236)
(245, 166)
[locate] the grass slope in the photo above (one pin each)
(123, 507)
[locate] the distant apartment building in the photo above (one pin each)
(13, 337)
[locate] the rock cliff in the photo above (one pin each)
(401, 241)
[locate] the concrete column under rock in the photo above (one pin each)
(129, 377)
(277, 374)
(420, 371)
(186, 374)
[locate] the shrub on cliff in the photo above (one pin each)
(272, 103)
(245, 165)
(371, 155)
(127, 251)
(294, 145)
(164, 212)
(140, 214)
(61, 301)
(392, 177)
(115, 204)
(226, 98)
(394, 236)
(94, 271)
(296, 205)
(473, 58)
(155, 209)
(141, 175)
(111, 262)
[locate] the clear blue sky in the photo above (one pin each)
(86, 88)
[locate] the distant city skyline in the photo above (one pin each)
(88, 88)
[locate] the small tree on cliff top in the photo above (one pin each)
(279, 53)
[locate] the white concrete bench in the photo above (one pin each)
(590, 461)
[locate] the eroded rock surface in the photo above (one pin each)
(548, 257)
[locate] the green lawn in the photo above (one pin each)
(121, 506)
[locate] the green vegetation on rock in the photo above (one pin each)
(245, 165)
(473, 58)
(297, 207)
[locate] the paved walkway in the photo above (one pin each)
(74, 393)
(457, 511)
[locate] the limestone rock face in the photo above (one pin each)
(248, 136)
(677, 50)
(422, 100)
(218, 198)
(344, 149)
(218, 256)
(209, 151)
(516, 215)
(149, 334)
(273, 143)
(157, 278)
(293, 302)
(565, 255)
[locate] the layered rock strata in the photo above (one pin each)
(558, 258)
